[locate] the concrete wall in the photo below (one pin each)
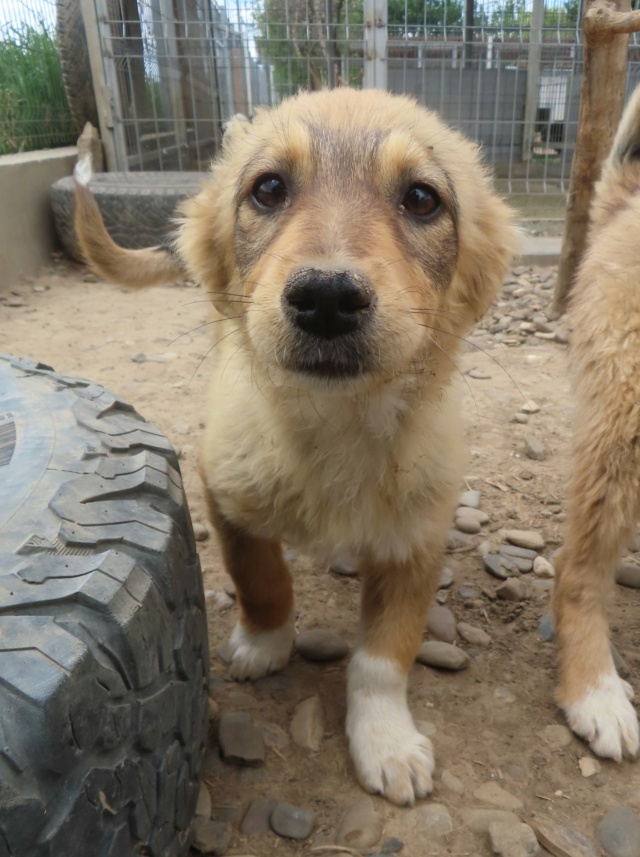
(27, 234)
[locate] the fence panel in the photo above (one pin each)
(506, 72)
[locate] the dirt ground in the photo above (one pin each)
(487, 721)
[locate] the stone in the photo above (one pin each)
(307, 725)
(470, 499)
(433, 819)
(441, 624)
(240, 742)
(514, 552)
(530, 407)
(274, 736)
(619, 832)
(479, 820)
(225, 813)
(512, 590)
(392, 846)
(449, 781)
(588, 766)
(361, 827)
(446, 578)
(523, 566)
(543, 568)
(442, 656)
(200, 531)
(474, 636)
(229, 589)
(292, 822)
(478, 374)
(210, 837)
(529, 539)
(534, 448)
(562, 841)
(628, 574)
(498, 566)
(426, 727)
(203, 805)
(556, 736)
(513, 840)
(256, 818)
(492, 793)
(468, 593)
(456, 540)
(320, 645)
(345, 567)
(545, 628)
(539, 587)
(467, 525)
(503, 694)
(521, 418)
(473, 514)
(514, 772)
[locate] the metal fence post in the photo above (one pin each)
(113, 158)
(375, 44)
(533, 78)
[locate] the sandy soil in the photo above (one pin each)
(488, 721)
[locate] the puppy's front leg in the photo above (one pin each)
(263, 636)
(390, 756)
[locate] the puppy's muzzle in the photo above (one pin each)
(326, 303)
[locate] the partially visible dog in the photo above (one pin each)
(350, 240)
(604, 486)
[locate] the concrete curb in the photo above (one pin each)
(539, 250)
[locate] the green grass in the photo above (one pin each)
(34, 113)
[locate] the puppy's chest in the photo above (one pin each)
(326, 487)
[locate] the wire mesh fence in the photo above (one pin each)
(506, 72)
(34, 112)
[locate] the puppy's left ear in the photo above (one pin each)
(488, 244)
(205, 241)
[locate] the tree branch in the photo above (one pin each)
(602, 22)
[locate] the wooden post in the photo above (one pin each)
(606, 28)
(375, 44)
(533, 78)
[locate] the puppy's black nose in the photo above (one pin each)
(327, 303)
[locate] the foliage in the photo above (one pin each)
(34, 113)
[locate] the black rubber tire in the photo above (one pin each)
(137, 208)
(76, 67)
(103, 636)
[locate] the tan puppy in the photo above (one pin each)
(351, 240)
(604, 489)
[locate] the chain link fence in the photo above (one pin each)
(506, 72)
(34, 113)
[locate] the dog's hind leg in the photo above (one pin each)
(602, 510)
(390, 756)
(262, 639)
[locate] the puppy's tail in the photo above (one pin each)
(621, 170)
(151, 266)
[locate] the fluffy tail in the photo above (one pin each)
(621, 170)
(151, 266)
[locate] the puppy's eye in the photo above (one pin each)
(421, 200)
(269, 191)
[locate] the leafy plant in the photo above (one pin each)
(34, 113)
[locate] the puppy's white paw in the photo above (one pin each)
(256, 654)
(605, 718)
(390, 756)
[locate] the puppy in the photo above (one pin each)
(604, 486)
(350, 240)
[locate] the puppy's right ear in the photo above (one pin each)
(234, 128)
